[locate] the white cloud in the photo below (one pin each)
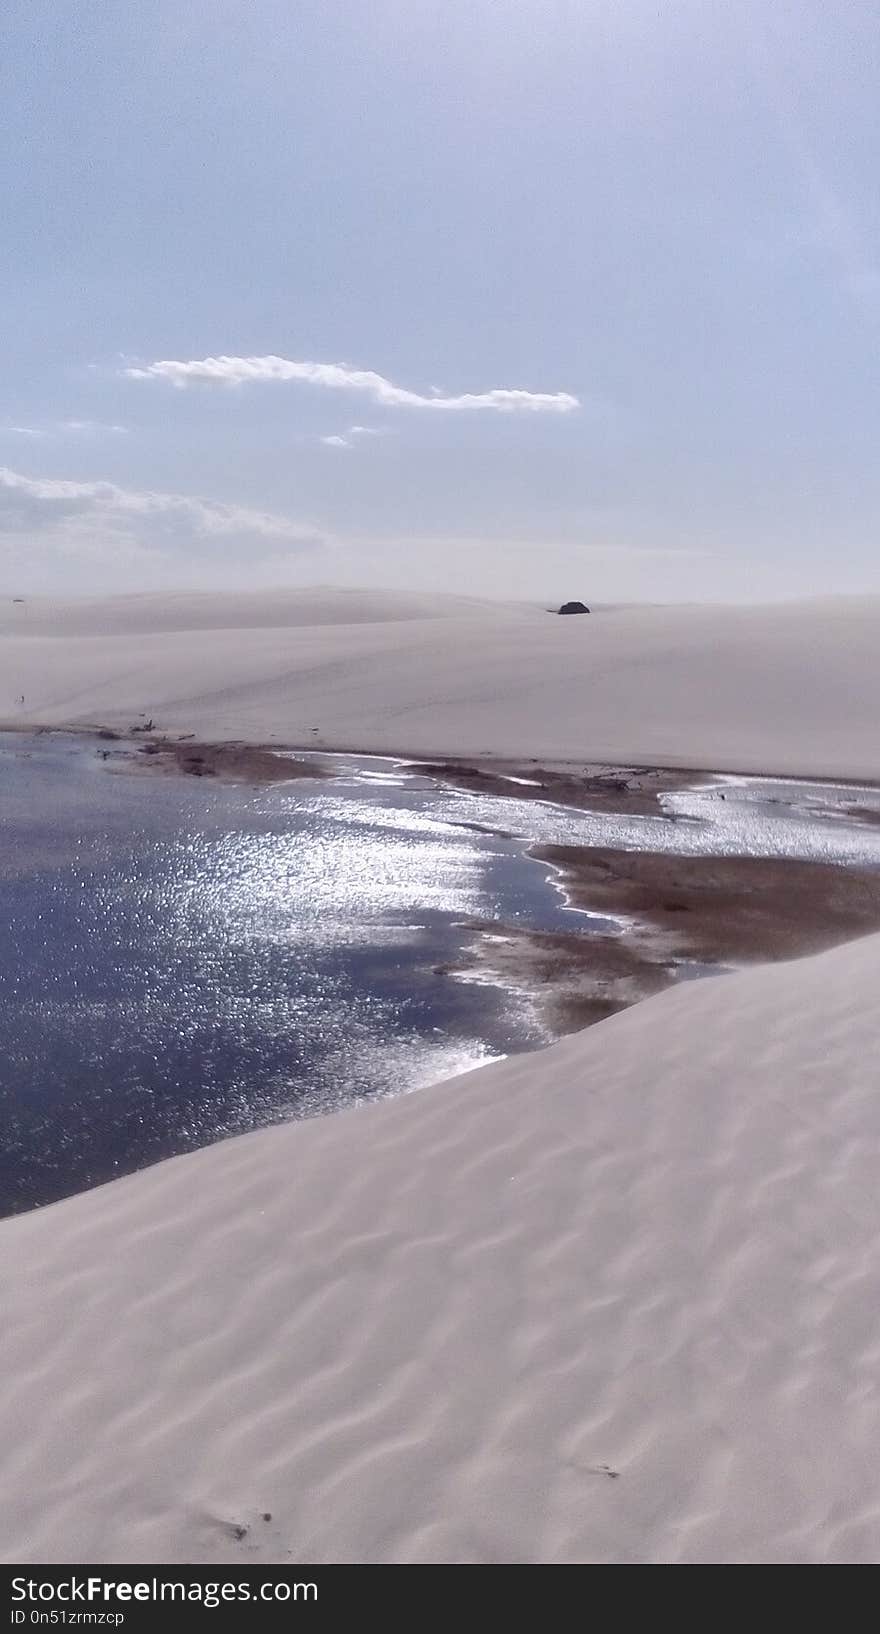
(352, 435)
(92, 518)
(238, 371)
(62, 428)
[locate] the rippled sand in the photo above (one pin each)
(619, 1308)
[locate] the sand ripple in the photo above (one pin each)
(614, 1302)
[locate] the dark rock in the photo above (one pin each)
(574, 607)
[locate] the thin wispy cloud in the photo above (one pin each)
(32, 506)
(240, 371)
(336, 442)
(68, 428)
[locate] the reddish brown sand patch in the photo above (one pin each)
(683, 915)
(232, 762)
(630, 789)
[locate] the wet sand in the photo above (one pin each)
(634, 790)
(682, 916)
(232, 762)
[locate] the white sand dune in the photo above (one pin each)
(792, 688)
(154, 613)
(431, 1329)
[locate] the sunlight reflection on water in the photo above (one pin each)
(181, 960)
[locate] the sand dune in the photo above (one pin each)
(615, 1303)
(792, 688)
(152, 613)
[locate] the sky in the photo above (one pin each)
(524, 298)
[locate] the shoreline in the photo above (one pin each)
(679, 769)
(679, 915)
(673, 928)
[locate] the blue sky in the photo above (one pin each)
(657, 222)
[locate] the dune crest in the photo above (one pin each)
(616, 1302)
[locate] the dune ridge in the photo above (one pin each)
(613, 1303)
